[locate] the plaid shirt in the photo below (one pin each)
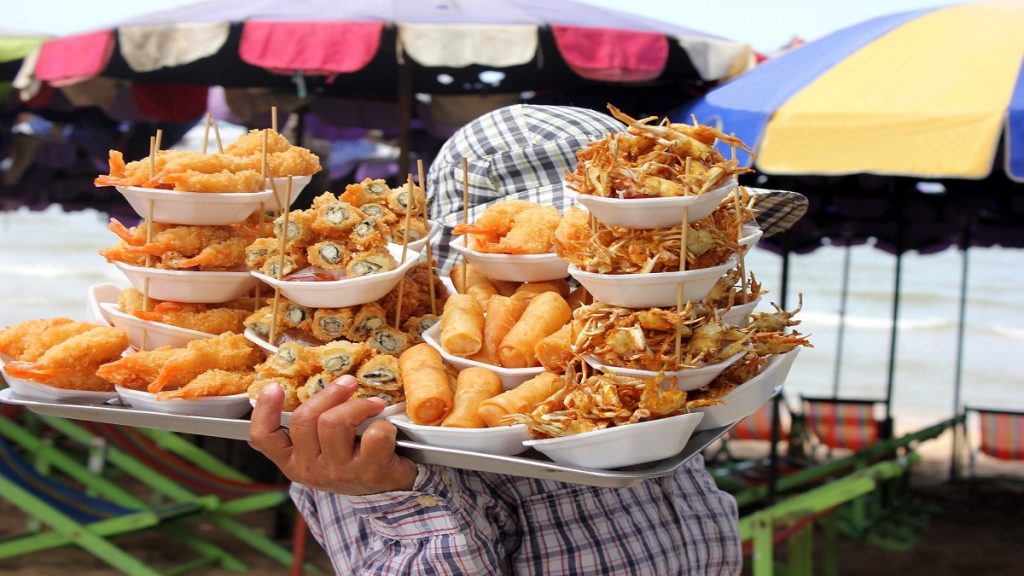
(464, 522)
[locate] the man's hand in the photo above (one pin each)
(320, 448)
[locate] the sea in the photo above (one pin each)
(49, 260)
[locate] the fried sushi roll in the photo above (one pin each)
(335, 219)
(329, 255)
(260, 321)
(417, 230)
(380, 213)
(389, 341)
(295, 315)
(368, 233)
(314, 384)
(300, 231)
(417, 325)
(340, 357)
(292, 262)
(290, 386)
(380, 373)
(398, 200)
(257, 253)
(331, 323)
(368, 319)
(371, 262)
(291, 359)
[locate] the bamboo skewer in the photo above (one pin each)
(154, 147)
(465, 218)
(216, 134)
(410, 209)
(206, 132)
(683, 232)
(273, 118)
(742, 251)
(426, 218)
(280, 262)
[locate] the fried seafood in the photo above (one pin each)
(14, 339)
(614, 250)
(289, 386)
(228, 351)
(211, 383)
(54, 334)
(138, 369)
(512, 227)
(592, 403)
(208, 318)
(341, 357)
(728, 292)
(72, 364)
(182, 247)
(654, 160)
(330, 323)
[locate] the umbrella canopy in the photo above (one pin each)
(357, 45)
(927, 94)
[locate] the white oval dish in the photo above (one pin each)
(746, 398)
(347, 291)
(255, 338)
(650, 290)
(433, 228)
(280, 185)
(751, 236)
(47, 393)
(620, 446)
(156, 333)
(510, 377)
(100, 294)
(233, 406)
(514, 267)
(647, 213)
(738, 315)
(195, 208)
(393, 410)
(188, 286)
(686, 379)
(502, 440)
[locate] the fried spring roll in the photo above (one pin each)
(477, 285)
(502, 313)
(473, 386)
(555, 351)
(526, 292)
(428, 396)
(506, 287)
(462, 325)
(546, 313)
(521, 399)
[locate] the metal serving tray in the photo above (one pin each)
(531, 464)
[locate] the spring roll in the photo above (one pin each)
(526, 292)
(462, 325)
(502, 313)
(477, 285)
(506, 287)
(473, 386)
(555, 351)
(546, 313)
(521, 399)
(428, 397)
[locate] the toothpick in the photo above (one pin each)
(216, 134)
(206, 132)
(465, 217)
(280, 261)
(410, 209)
(742, 250)
(684, 230)
(273, 118)
(426, 218)
(152, 157)
(159, 139)
(259, 285)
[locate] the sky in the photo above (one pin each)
(767, 25)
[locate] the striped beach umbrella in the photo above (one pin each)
(928, 93)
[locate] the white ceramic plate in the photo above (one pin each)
(233, 406)
(650, 290)
(738, 315)
(503, 440)
(647, 213)
(510, 377)
(386, 414)
(45, 392)
(156, 333)
(280, 185)
(686, 379)
(195, 208)
(751, 236)
(347, 291)
(621, 445)
(514, 267)
(99, 294)
(432, 229)
(188, 286)
(746, 398)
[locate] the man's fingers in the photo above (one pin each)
(303, 425)
(265, 432)
(337, 427)
(377, 445)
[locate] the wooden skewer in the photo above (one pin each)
(159, 139)
(742, 252)
(206, 132)
(259, 285)
(153, 149)
(280, 262)
(216, 134)
(273, 118)
(426, 218)
(410, 209)
(465, 217)
(682, 268)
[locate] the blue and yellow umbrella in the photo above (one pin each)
(928, 93)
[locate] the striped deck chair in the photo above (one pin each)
(758, 426)
(842, 423)
(73, 518)
(183, 472)
(1001, 435)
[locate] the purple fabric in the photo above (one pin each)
(745, 105)
(1015, 131)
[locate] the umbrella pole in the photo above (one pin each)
(965, 244)
(894, 336)
(843, 298)
(773, 456)
(405, 100)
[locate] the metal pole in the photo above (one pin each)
(773, 457)
(900, 231)
(965, 244)
(843, 297)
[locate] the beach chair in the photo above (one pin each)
(841, 423)
(182, 472)
(66, 516)
(1001, 436)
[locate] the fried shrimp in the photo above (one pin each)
(193, 181)
(513, 227)
(72, 364)
(228, 351)
(211, 383)
(14, 339)
(137, 370)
